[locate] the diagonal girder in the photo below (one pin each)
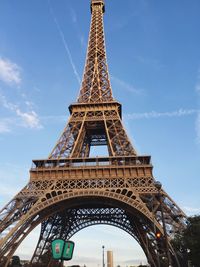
(71, 221)
(96, 84)
(74, 220)
(89, 122)
(121, 185)
(146, 204)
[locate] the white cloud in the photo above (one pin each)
(6, 104)
(10, 72)
(126, 86)
(191, 210)
(29, 119)
(155, 114)
(4, 126)
(29, 104)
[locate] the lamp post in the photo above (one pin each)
(103, 263)
(158, 185)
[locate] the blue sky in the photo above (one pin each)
(154, 63)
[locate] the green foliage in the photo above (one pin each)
(192, 240)
(15, 262)
(188, 242)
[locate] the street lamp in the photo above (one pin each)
(158, 185)
(103, 256)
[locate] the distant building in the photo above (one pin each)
(109, 258)
(25, 261)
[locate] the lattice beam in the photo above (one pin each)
(84, 124)
(96, 84)
(62, 187)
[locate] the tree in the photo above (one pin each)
(15, 262)
(187, 243)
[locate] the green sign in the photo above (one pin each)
(62, 250)
(57, 248)
(68, 251)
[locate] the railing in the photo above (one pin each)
(89, 162)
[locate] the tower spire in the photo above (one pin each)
(96, 117)
(72, 189)
(96, 84)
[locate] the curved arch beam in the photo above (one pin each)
(85, 217)
(38, 212)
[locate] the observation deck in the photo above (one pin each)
(92, 168)
(98, 2)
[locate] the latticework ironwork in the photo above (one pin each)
(71, 190)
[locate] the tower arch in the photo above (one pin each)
(121, 182)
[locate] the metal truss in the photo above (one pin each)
(91, 125)
(96, 83)
(66, 223)
(39, 200)
(71, 221)
(70, 190)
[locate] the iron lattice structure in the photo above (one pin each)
(70, 190)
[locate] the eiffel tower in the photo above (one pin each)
(71, 190)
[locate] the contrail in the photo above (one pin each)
(64, 43)
(128, 87)
(155, 114)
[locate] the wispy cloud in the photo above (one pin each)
(134, 261)
(29, 119)
(150, 62)
(121, 23)
(4, 126)
(191, 210)
(54, 119)
(73, 15)
(10, 72)
(155, 114)
(126, 86)
(65, 43)
(82, 41)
